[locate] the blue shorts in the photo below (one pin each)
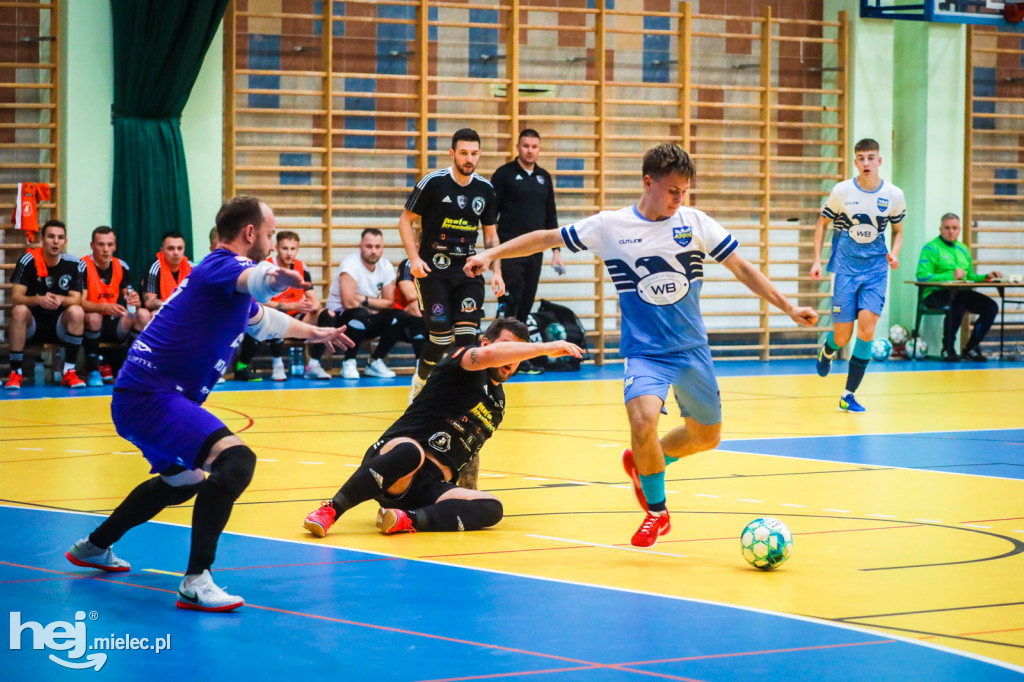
(853, 293)
(691, 375)
(168, 427)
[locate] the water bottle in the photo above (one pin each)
(58, 365)
(297, 361)
(127, 293)
(39, 373)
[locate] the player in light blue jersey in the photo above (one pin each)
(158, 396)
(654, 252)
(861, 210)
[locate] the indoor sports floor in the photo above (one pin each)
(908, 556)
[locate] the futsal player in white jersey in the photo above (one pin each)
(654, 252)
(860, 209)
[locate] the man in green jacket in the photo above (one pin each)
(944, 259)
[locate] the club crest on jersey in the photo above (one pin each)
(437, 309)
(64, 282)
(468, 305)
(883, 203)
(540, 179)
(462, 201)
(441, 261)
(682, 235)
(441, 441)
(663, 288)
(478, 205)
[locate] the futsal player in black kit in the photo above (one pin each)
(453, 204)
(411, 470)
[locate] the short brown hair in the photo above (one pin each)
(866, 145)
(235, 214)
(53, 223)
(668, 158)
(102, 229)
(517, 327)
(287, 234)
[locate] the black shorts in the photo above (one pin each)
(446, 301)
(110, 330)
(46, 326)
(427, 485)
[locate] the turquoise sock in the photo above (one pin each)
(670, 460)
(862, 349)
(830, 344)
(654, 489)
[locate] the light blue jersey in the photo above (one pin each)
(658, 270)
(859, 220)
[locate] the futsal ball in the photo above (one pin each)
(881, 349)
(898, 334)
(917, 348)
(766, 543)
(555, 332)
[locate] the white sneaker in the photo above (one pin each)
(84, 553)
(316, 372)
(417, 386)
(377, 368)
(221, 380)
(199, 593)
(349, 369)
(278, 373)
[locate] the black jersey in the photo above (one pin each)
(61, 279)
(451, 216)
(526, 200)
(454, 414)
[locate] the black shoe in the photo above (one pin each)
(245, 373)
(950, 356)
(527, 367)
(976, 355)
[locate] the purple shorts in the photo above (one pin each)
(168, 427)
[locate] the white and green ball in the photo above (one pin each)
(766, 543)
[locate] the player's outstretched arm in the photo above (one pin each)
(523, 245)
(264, 281)
(500, 354)
(754, 280)
(268, 323)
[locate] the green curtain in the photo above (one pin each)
(159, 47)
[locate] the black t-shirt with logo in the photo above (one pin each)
(454, 414)
(526, 200)
(451, 216)
(61, 279)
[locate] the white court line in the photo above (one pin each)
(265, 460)
(493, 475)
(1018, 531)
(597, 544)
(703, 495)
(743, 499)
(85, 451)
(974, 525)
(310, 462)
(578, 482)
(34, 449)
(883, 516)
(354, 466)
(533, 478)
(839, 511)
(674, 492)
(624, 487)
(927, 521)
(125, 452)
(798, 506)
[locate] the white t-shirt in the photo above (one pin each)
(658, 271)
(368, 282)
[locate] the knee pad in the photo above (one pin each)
(233, 468)
(396, 463)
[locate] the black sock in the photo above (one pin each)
(147, 500)
(277, 348)
(856, 373)
(91, 344)
(465, 336)
(376, 475)
(16, 360)
(432, 354)
(71, 345)
(230, 474)
(457, 515)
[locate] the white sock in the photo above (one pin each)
(68, 366)
(313, 362)
(846, 394)
(278, 362)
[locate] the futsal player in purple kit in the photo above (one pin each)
(170, 371)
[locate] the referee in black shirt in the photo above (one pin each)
(526, 202)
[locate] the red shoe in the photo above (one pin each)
(320, 520)
(107, 374)
(652, 527)
(13, 382)
(393, 521)
(630, 466)
(71, 380)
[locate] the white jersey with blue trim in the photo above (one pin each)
(658, 269)
(859, 220)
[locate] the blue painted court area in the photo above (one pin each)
(316, 612)
(982, 453)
